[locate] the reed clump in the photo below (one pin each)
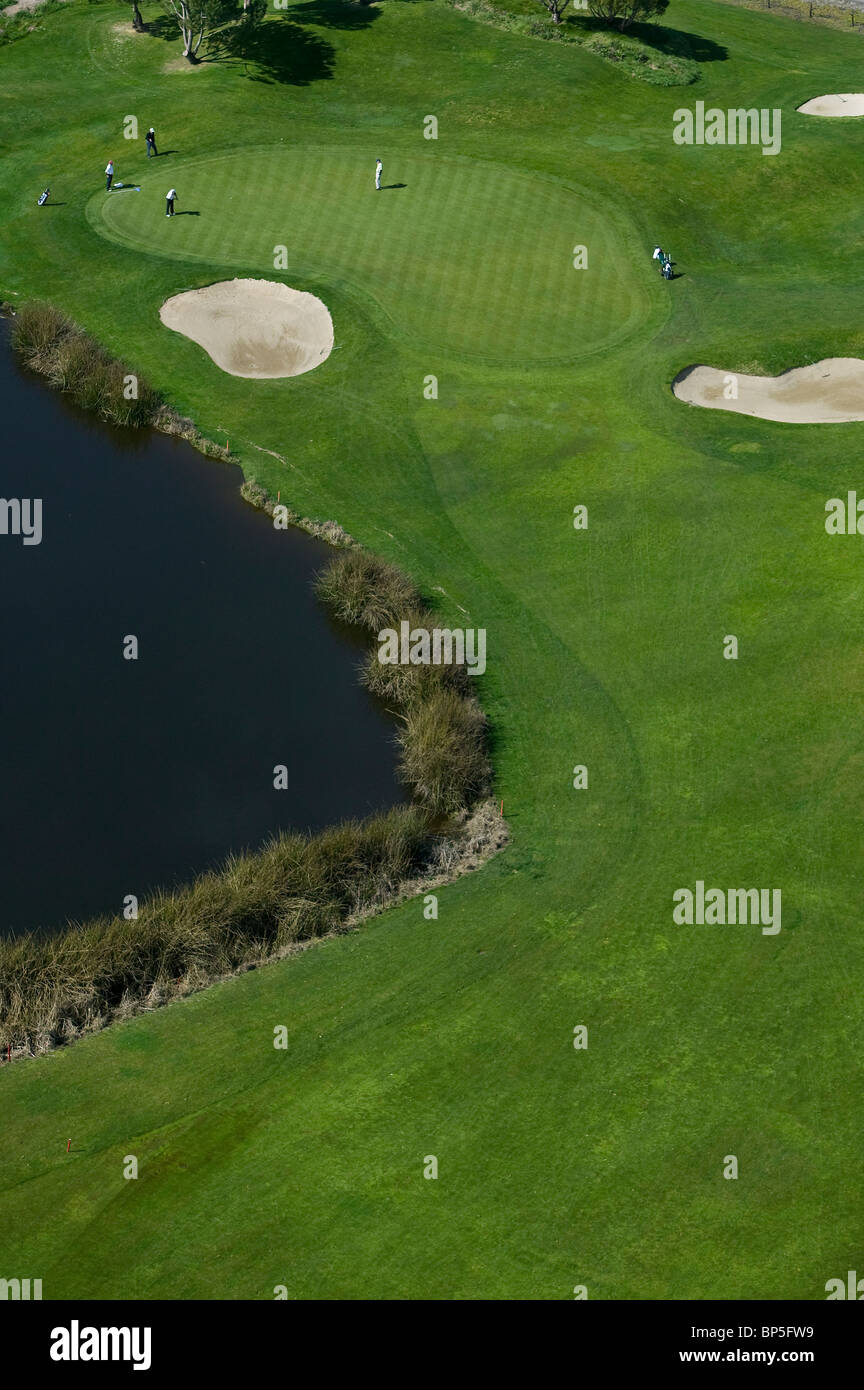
(443, 734)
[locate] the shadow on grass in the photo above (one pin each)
(163, 27)
(336, 14)
(276, 49)
(677, 43)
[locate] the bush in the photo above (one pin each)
(404, 685)
(365, 591)
(37, 331)
(443, 756)
(442, 743)
(51, 344)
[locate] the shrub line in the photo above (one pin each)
(50, 343)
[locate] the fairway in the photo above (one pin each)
(460, 255)
(634, 754)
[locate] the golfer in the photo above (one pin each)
(169, 202)
(109, 175)
(658, 254)
(43, 197)
(379, 169)
(151, 143)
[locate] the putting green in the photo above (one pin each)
(461, 255)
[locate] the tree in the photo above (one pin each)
(624, 12)
(137, 18)
(200, 20)
(556, 8)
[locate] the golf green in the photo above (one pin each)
(460, 254)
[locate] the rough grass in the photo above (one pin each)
(361, 589)
(646, 62)
(257, 909)
(443, 751)
(297, 888)
(49, 342)
(442, 740)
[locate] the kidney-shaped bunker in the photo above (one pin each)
(254, 328)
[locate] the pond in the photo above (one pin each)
(120, 776)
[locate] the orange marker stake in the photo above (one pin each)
(68, 1145)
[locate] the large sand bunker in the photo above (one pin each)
(838, 104)
(826, 393)
(257, 328)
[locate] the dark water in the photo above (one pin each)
(119, 776)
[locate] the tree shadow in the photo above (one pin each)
(679, 43)
(276, 51)
(336, 14)
(676, 43)
(164, 26)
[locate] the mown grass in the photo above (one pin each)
(454, 1036)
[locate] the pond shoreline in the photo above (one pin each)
(264, 905)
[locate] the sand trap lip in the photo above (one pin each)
(836, 104)
(254, 328)
(829, 392)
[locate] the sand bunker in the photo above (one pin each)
(826, 393)
(839, 104)
(256, 328)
